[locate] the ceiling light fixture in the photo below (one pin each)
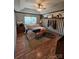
(40, 7)
(39, 10)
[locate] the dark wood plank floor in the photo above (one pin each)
(45, 50)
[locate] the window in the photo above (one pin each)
(30, 20)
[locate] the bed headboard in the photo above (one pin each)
(32, 26)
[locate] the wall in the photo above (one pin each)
(60, 23)
(20, 17)
(15, 34)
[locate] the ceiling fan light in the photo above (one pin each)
(39, 9)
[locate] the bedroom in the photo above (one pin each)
(39, 29)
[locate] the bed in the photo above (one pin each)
(35, 29)
(39, 30)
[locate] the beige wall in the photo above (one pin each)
(20, 17)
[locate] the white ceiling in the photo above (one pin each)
(28, 6)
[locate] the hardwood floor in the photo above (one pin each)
(44, 48)
(60, 48)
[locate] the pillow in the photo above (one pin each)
(30, 34)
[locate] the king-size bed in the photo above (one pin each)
(36, 29)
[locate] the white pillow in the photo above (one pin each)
(30, 35)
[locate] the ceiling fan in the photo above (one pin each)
(40, 7)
